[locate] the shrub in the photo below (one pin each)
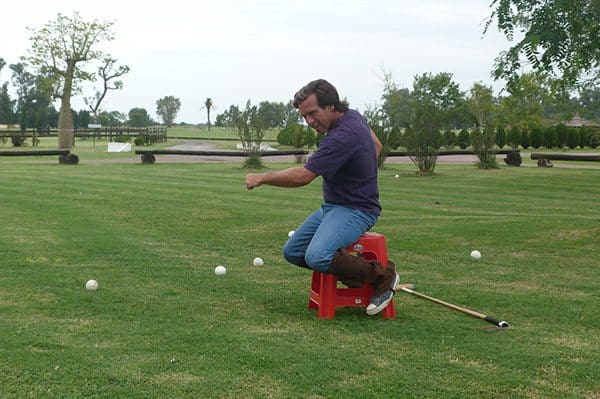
(572, 138)
(450, 139)
(537, 137)
(551, 137)
(525, 139)
(121, 138)
(514, 137)
(141, 140)
(562, 134)
(463, 139)
(483, 146)
(584, 140)
(18, 141)
(500, 137)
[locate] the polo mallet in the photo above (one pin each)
(410, 289)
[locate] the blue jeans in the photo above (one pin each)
(323, 233)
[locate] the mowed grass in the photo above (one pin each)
(163, 325)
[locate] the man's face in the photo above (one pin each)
(318, 118)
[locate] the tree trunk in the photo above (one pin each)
(66, 127)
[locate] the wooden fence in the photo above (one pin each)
(153, 134)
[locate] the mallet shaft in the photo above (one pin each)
(489, 319)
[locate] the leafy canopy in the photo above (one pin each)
(559, 37)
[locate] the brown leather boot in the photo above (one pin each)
(353, 271)
(357, 270)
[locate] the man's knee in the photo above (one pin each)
(317, 261)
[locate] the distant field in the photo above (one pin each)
(214, 133)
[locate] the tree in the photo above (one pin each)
(208, 106)
(524, 104)
(7, 105)
(107, 72)
(483, 108)
(33, 96)
(434, 99)
(228, 118)
(167, 108)
(483, 146)
(589, 100)
(561, 38)
(480, 104)
(500, 136)
(138, 117)
(251, 130)
(273, 113)
(397, 106)
(59, 50)
(112, 119)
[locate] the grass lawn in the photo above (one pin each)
(163, 325)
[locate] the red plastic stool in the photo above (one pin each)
(325, 296)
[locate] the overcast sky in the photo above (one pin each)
(235, 50)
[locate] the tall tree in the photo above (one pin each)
(481, 104)
(6, 103)
(559, 37)
(589, 100)
(397, 105)
(208, 106)
(168, 108)
(139, 117)
(33, 96)
(524, 104)
(435, 99)
(59, 51)
(108, 71)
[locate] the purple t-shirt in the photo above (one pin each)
(347, 161)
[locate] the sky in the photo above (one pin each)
(265, 50)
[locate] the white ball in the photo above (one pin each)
(475, 254)
(220, 270)
(258, 262)
(397, 176)
(91, 285)
(291, 233)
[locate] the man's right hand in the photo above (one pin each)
(253, 180)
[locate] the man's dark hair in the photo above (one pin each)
(325, 92)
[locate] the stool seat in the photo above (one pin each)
(325, 296)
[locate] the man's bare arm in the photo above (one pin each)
(293, 177)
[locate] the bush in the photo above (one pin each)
(572, 138)
(121, 138)
(463, 139)
(500, 137)
(140, 140)
(562, 134)
(450, 139)
(525, 139)
(514, 137)
(551, 137)
(537, 137)
(584, 140)
(18, 141)
(253, 161)
(483, 146)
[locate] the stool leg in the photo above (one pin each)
(327, 297)
(390, 311)
(315, 286)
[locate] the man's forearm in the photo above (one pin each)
(293, 177)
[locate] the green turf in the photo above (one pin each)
(163, 325)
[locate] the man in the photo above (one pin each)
(347, 161)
